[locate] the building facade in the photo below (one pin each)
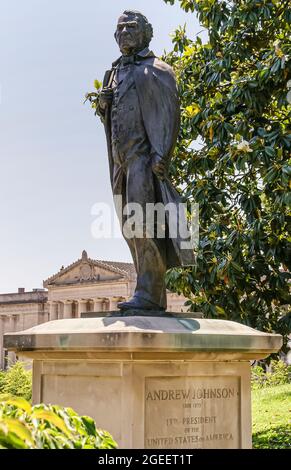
(86, 285)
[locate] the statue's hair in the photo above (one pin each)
(149, 32)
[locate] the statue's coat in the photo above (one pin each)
(159, 103)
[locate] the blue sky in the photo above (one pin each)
(52, 149)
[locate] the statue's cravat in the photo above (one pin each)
(129, 59)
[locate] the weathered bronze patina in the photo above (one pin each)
(139, 107)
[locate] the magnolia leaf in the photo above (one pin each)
(20, 430)
(192, 110)
(89, 423)
(18, 402)
(97, 84)
(51, 418)
(220, 310)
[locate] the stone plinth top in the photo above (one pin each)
(141, 313)
(145, 334)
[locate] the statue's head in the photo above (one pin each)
(133, 32)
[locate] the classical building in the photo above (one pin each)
(18, 312)
(87, 285)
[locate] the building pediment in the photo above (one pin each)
(87, 270)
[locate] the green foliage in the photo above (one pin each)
(2, 380)
(233, 93)
(279, 374)
(93, 97)
(47, 427)
(16, 381)
(271, 417)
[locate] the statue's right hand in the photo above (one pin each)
(105, 97)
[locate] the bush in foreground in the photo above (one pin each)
(16, 381)
(23, 426)
(279, 374)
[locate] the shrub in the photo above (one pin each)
(233, 158)
(279, 374)
(23, 426)
(17, 381)
(2, 380)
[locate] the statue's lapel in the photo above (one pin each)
(125, 85)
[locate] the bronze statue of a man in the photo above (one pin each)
(139, 107)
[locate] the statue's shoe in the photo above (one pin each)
(139, 304)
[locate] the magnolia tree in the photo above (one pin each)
(235, 94)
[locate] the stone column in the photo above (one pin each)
(10, 324)
(15, 322)
(5, 329)
(74, 309)
(113, 304)
(105, 305)
(81, 307)
(97, 305)
(68, 309)
(42, 315)
(59, 310)
(53, 314)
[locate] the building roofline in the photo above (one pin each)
(20, 302)
(100, 263)
(36, 292)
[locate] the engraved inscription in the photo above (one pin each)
(192, 412)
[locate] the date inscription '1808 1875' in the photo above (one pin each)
(192, 412)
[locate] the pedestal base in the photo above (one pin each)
(153, 382)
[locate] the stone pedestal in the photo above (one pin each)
(152, 381)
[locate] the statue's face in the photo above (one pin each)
(130, 34)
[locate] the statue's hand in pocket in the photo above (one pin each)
(105, 97)
(159, 166)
